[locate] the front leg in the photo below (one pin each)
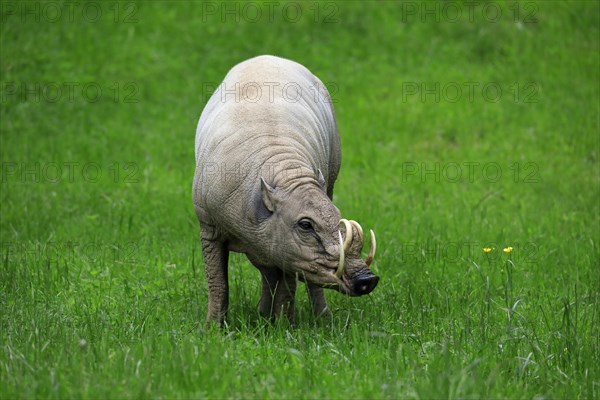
(216, 257)
(285, 295)
(317, 299)
(278, 293)
(270, 278)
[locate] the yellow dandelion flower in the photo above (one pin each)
(508, 249)
(487, 249)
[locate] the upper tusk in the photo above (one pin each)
(359, 229)
(340, 268)
(371, 255)
(348, 233)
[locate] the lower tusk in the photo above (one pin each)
(371, 255)
(340, 269)
(348, 233)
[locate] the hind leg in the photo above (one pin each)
(216, 256)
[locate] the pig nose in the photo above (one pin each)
(365, 284)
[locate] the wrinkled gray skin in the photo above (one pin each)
(267, 157)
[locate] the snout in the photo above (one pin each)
(364, 284)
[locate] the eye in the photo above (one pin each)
(305, 224)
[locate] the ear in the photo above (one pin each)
(267, 195)
(321, 180)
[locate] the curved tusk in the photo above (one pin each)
(359, 229)
(371, 255)
(348, 233)
(340, 269)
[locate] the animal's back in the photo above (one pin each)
(267, 111)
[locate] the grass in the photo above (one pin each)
(102, 291)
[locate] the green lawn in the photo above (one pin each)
(461, 129)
